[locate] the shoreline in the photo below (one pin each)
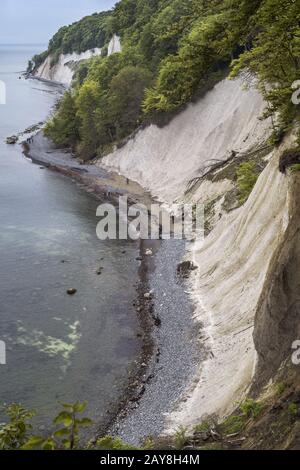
(146, 377)
(95, 180)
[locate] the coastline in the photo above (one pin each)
(95, 180)
(170, 351)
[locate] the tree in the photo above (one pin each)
(63, 128)
(274, 57)
(126, 94)
(87, 103)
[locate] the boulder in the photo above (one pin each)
(185, 268)
(12, 139)
(71, 291)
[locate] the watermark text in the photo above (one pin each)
(158, 221)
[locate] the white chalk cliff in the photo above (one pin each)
(234, 259)
(115, 45)
(63, 70)
(164, 160)
(233, 263)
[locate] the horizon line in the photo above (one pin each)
(23, 43)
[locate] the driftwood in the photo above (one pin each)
(211, 168)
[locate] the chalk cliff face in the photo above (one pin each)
(164, 160)
(277, 324)
(233, 263)
(236, 262)
(114, 45)
(63, 70)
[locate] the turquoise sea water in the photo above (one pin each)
(59, 348)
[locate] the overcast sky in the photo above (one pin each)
(35, 21)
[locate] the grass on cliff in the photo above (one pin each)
(246, 180)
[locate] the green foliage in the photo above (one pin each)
(293, 409)
(236, 423)
(126, 94)
(274, 56)
(112, 443)
(295, 168)
(251, 408)
(181, 438)
(171, 51)
(105, 107)
(211, 39)
(14, 434)
(203, 427)
(63, 127)
(30, 66)
(66, 436)
(36, 61)
(246, 180)
(280, 388)
(233, 424)
(90, 32)
(88, 101)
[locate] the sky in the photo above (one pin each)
(35, 21)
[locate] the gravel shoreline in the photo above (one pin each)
(177, 351)
(170, 353)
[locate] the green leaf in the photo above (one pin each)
(84, 422)
(33, 442)
(65, 418)
(79, 407)
(61, 432)
(49, 444)
(68, 406)
(67, 444)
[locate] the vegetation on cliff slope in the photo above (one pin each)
(171, 51)
(16, 433)
(90, 32)
(269, 423)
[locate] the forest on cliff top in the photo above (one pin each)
(172, 52)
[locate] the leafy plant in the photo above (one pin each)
(181, 437)
(293, 409)
(14, 434)
(295, 168)
(280, 388)
(205, 426)
(233, 424)
(67, 436)
(170, 52)
(112, 443)
(251, 408)
(246, 180)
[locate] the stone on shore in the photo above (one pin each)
(12, 140)
(71, 291)
(185, 268)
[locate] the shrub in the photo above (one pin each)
(67, 435)
(251, 408)
(181, 438)
(112, 443)
(203, 427)
(246, 180)
(280, 388)
(15, 432)
(293, 409)
(233, 424)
